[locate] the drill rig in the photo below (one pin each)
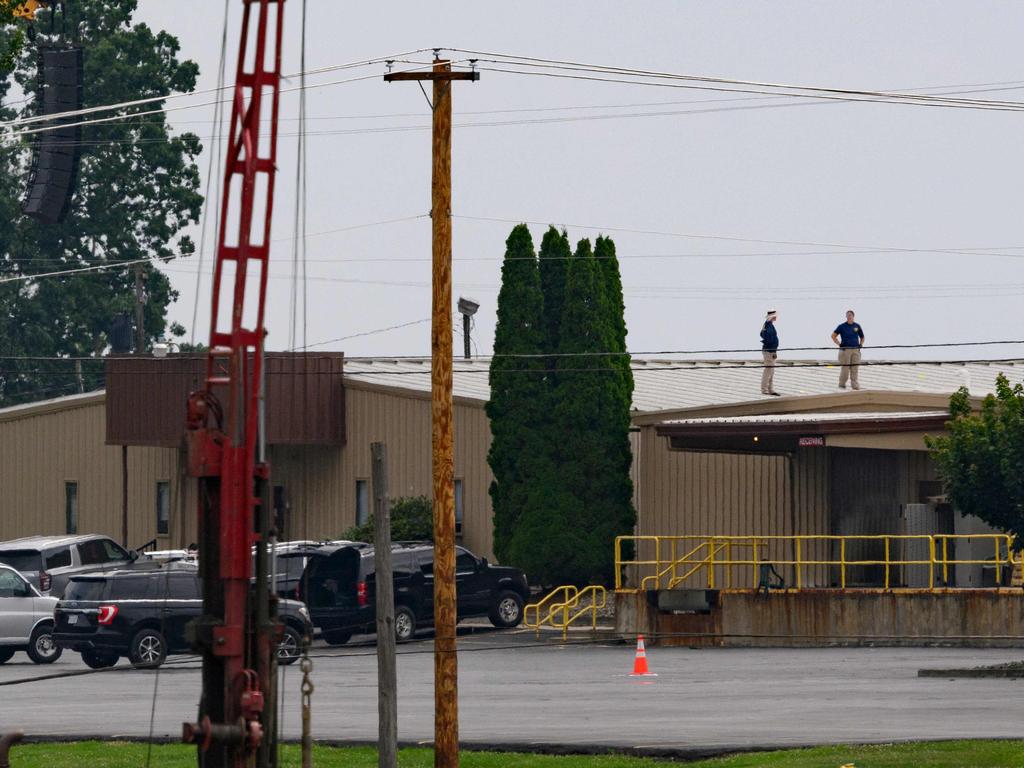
(237, 632)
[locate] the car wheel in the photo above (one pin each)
(337, 638)
(405, 623)
(41, 647)
(98, 660)
(148, 648)
(5, 655)
(290, 648)
(507, 610)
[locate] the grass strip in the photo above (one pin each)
(942, 754)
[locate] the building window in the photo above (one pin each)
(362, 501)
(71, 507)
(163, 508)
(458, 506)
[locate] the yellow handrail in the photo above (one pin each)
(573, 597)
(706, 552)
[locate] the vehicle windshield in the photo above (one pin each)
(22, 560)
(84, 589)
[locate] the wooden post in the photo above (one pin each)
(124, 496)
(387, 677)
(446, 687)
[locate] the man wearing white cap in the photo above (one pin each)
(769, 353)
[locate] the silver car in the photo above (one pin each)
(49, 561)
(26, 620)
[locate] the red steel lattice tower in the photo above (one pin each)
(223, 417)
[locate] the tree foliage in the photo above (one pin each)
(981, 457)
(412, 519)
(518, 390)
(562, 488)
(136, 194)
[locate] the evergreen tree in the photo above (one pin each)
(555, 253)
(608, 262)
(136, 194)
(518, 390)
(586, 486)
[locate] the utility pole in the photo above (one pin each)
(446, 681)
(387, 676)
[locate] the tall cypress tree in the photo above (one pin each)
(518, 389)
(608, 263)
(587, 487)
(555, 254)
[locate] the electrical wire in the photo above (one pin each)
(633, 354)
(152, 99)
(217, 145)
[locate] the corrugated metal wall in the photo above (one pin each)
(39, 453)
(684, 493)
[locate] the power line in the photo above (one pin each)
(219, 88)
(552, 355)
(731, 85)
(702, 366)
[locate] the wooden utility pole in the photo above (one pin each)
(387, 676)
(446, 683)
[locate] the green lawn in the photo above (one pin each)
(951, 754)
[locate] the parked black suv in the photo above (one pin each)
(142, 614)
(339, 586)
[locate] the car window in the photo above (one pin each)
(130, 588)
(112, 551)
(58, 559)
(183, 586)
(85, 589)
(465, 562)
(92, 552)
(22, 560)
(12, 585)
(291, 566)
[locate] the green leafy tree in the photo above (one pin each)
(555, 253)
(584, 497)
(412, 519)
(518, 401)
(137, 192)
(981, 457)
(608, 263)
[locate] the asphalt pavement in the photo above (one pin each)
(515, 690)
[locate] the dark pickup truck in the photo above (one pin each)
(339, 587)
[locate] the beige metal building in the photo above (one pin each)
(711, 454)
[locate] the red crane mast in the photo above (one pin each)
(236, 634)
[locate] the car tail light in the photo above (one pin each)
(361, 594)
(107, 614)
(298, 592)
(44, 581)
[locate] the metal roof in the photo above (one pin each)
(663, 385)
(667, 385)
(813, 418)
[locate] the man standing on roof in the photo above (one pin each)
(849, 337)
(769, 353)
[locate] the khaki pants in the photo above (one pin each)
(849, 359)
(768, 372)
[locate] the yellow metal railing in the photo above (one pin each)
(660, 562)
(561, 608)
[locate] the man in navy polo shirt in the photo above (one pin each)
(849, 337)
(769, 353)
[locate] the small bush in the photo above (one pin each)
(412, 519)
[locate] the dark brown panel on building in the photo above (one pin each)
(146, 396)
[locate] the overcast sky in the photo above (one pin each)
(870, 175)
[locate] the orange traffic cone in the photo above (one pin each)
(640, 663)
